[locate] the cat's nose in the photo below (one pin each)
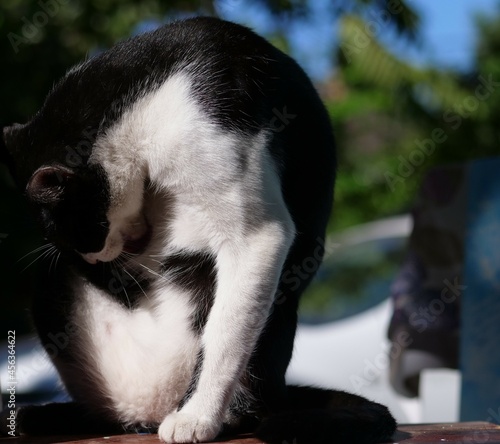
(90, 258)
(112, 249)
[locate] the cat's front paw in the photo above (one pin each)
(182, 427)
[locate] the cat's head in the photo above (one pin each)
(51, 162)
(69, 201)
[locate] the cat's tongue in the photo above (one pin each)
(137, 246)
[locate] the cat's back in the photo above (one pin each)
(236, 75)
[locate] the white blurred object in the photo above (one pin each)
(440, 393)
(352, 355)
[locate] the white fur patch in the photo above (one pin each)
(237, 214)
(144, 356)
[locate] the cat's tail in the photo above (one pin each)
(318, 416)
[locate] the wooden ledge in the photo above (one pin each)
(460, 432)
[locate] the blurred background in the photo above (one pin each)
(410, 85)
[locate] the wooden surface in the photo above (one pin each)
(121, 439)
(464, 433)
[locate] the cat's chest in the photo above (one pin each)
(141, 359)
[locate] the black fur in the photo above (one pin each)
(247, 85)
(197, 273)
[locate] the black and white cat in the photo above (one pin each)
(180, 174)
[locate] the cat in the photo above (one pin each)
(180, 174)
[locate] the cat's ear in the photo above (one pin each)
(48, 184)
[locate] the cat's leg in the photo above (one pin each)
(269, 362)
(249, 264)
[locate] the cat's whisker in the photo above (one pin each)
(132, 257)
(155, 255)
(129, 255)
(36, 250)
(152, 256)
(123, 265)
(118, 276)
(48, 251)
(135, 280)
(57, 260)
(53, 255)
(157, 261)
(50, 254)
(164, 278)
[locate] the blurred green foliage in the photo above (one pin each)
(394, 121)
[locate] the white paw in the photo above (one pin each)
(182, 427)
